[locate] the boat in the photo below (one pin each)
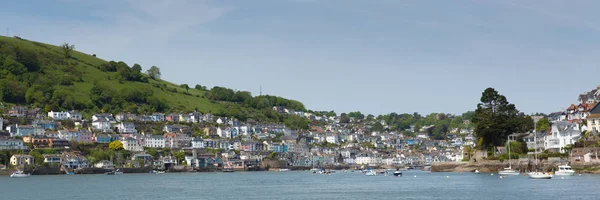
(118, 172)
(19, 174)
(476, 172)
(161, 172)
(537, 174)
(284, 170)
(508, 171)
(564, 170)
(227, 167)
(314, 170)
(114, 172)
(398, 173)
(371, 173)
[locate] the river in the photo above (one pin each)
(297, 185)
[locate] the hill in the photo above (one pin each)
(54, 78)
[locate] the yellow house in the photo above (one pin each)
(593, 120)
(21, 159)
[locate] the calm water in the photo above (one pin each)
(297, 185)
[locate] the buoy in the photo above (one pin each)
(501, 177)
(492, 174)
(447, 176)
(563, 178)
(415, 176)
(524, 174)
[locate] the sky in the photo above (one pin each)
(376, 56)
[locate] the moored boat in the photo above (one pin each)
(19, 174)
(539, 175)
(398, 173)
(476, 172)
(371, 173)
(564, 170)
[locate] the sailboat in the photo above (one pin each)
(509, 171)
(536, 174)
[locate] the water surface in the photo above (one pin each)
(297, 185)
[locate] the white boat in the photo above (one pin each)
(476, 172)
(284, 170)
(508, 171)
(19, 174)
(371, 173)
(539, 175)
(564, 170)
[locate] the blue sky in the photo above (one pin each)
(376, 56)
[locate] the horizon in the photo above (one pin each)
(377, 57)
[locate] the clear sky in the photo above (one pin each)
(376, 56)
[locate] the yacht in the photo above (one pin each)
(398, 173)
(476, 172)
(564, 170)
(284, 170)
(19, 174)
(508, 171)
(539, 175)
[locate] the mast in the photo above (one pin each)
(509, 158)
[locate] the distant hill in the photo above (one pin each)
(46, 76)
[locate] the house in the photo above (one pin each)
(80, 136)
(172, 117)
(24, 130)
(593, 120)
(175, 140)
(195, 117)
(52, 158)
(75, 116)
(58, 143)
(585, 155)
(37, 141)
(17, 111)
(147, 158)
(11, 144)
(279, 109)
(57, 115)
(131, 144)
(104, 164)
(106, 116)
(126, 127)
(73, 160)
(562, 133)
(21, 159)
(101, 124)
(155, 141)
(103, 138)
(44, 124)
(157, 117)
(198, 143)
(175, 128)
(207, 117)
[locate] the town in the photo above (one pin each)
(66, 142)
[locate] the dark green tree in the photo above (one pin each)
(137, 67)
(186, 87)
(67, 49)
(543, 125)
(494, 119)
(154, 72)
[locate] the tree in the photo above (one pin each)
(344, 118)
(200, 87)
(543, 125)
(377, 127)
(115, 145)
(186, 86)
(154, 72)
(67, 49)
(180, 156)
(137, 67)
(525, 124)
(494, 119)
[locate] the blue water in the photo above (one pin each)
(297, 185)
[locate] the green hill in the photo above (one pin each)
(45, 76)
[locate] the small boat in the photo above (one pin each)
(284, 170)
(227, 170)
(161, 172)
(19, 174)
(476, 172)
(539, 175)
(114, 172)
(371, 173)
(398, 173)
(153, 172)
(314, 170)
(118, 172)
(508, 172)
(564, 170)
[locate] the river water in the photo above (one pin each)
(297, 185)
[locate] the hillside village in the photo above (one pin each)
(203, 141)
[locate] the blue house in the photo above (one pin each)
(103, 138)
(45, 124)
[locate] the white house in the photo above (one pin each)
(198, 143)
(57, 115)
(367, 160)
(101, 124)
(126, 127)
(332, 139)
(131, 144)
(563, 133)
(155, 141)
(75, 116)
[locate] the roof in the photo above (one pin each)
(595, 109)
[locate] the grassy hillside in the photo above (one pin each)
(77, 75)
